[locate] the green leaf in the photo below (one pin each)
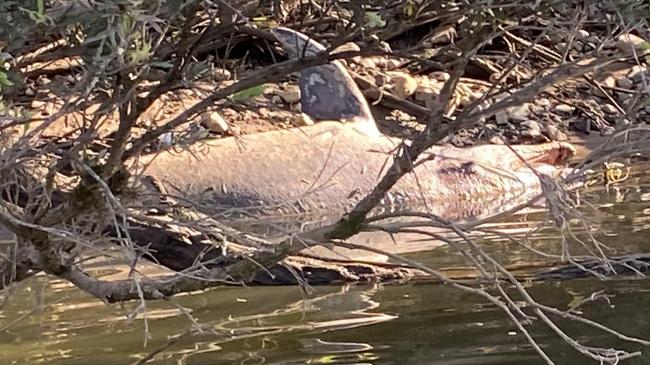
(37, 17)
(409, 8)
(263, 21)
(136, 56)
(4, 80)
(248, 93)
(375, 20)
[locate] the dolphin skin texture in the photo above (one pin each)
(331, 165)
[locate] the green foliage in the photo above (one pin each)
(123, 37)
(410, 8)
(248, 93)
(38, 15)
(4, 67)
(264, 22)
(374, 20)
(4, 80)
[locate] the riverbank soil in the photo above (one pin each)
(403, 86)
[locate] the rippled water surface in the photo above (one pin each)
(45, 320)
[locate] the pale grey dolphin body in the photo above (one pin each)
(331, 165)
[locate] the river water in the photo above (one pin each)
(45, 320)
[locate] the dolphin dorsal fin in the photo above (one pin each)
(327, 92)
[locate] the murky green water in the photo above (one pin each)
(47, 321)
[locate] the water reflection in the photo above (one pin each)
(345, 309)
(46, 320)
(64, 332)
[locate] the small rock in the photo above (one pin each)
(260, 99)
(424, 94)
(386, 63)
(556, 36)
(473, 96)
(348, 47)
(609, 81)
(214, 122)
(582, 34)
(367, 63)
(543, 102)
(38, 104)
(578, 46)
(582, 125)
(444, 36)
(221, 74)
(497, 140)
(532, 125)
(629, 43)
(264, 113)
(531, 133)
(589, 46)
(440, 76)
(625, 97)
(29, 91)
(537, 109)
(276, 99)
(378, 61)
(596, 91)
(520, 113)
(609, 109)
(625, 83)
(290, 96)
(392, 64)
(564, 108)
(557, 120)
(628, 101)
(147, 122)
(621, 123)
(404, 84)
(554, 133)
(561, 46)
(501, 118)
(302, 120)
(165, 140)
(637, 73)
(381, 79)
(607, 130)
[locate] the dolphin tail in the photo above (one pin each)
(328, 92)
